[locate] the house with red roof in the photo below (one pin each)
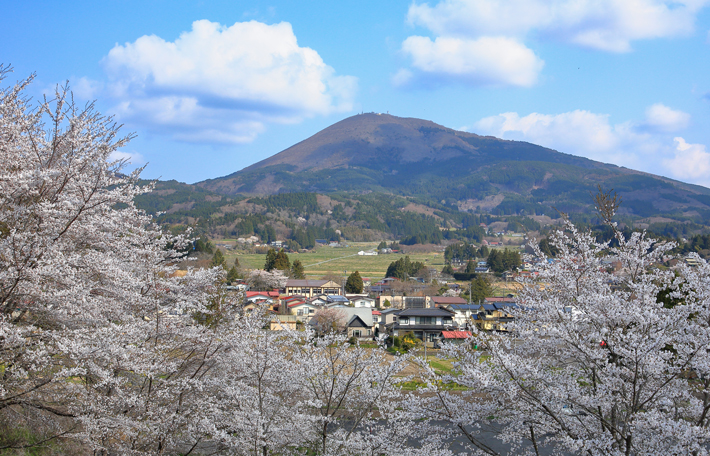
(455, 337)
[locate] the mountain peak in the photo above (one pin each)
(418, 158)
(368, 136)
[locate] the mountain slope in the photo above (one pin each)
(418, 158)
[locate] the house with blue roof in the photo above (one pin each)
(464, 313)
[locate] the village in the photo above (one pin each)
(431, 307)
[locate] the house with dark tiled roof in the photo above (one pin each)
(425, 324)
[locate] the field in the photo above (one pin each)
(332, 260)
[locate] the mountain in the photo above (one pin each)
(437, 165)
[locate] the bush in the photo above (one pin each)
(397, 342)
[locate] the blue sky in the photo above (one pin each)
(210, 87)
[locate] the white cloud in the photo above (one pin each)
(666, 119)
(134, 158)
(86, 89)
(402, 77)
(223, 84)
(645, 146)
(483, 61)
(576, 132)
(690, 162)
(608, 25)
(467, 32)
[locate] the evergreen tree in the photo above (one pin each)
(203, 245)
(218, 259)
(483, 252)
(232, 275)
(382, 245)
(480, 289)
(495, 261)
(470, 267)
(270, 259)
(354, 283)
(297, 270)
(236, 263)
(448, 270)
(281, 261)
(511, 260)
(403, 268)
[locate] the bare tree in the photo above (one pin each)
(329, 320)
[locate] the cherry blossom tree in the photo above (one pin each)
(94, 325)
(595, 362)
(329, 320)
(102, 339)
(355, 401)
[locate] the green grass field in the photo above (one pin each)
(330, 260)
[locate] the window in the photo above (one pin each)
(356, 333)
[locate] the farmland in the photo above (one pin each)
(331, 260)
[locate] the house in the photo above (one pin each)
(388, 316)
(382, 286)
(692, 261)
(362, 301)
(282, 322)
(303, 310)
(258, 304)
(255, 295)
(486, 319)
(455, 337)
(441, 301)
(426, 324)
(376, 316)
(320, 300)
(493, 317)
(500, 299)
(482, 270)
(414, 302)
(359, 328)
(338, 299)
(396, 302)
(464, 313)
(358, 322)
(310, 288)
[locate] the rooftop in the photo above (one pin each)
(425, 313)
